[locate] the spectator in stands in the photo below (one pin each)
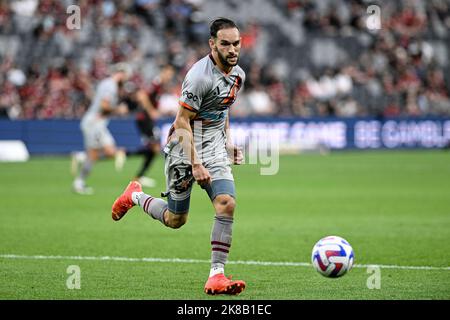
(260, 102)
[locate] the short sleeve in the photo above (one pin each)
(193, 91)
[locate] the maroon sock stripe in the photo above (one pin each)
(147, 203)
(220, 249)
(221, 243)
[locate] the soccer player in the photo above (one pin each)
(197, 150)
(147, 101)
(98, 141)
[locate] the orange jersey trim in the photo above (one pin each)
(185, 105)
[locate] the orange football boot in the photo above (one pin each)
(219, 284)
(124, 203)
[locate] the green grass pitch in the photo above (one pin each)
(393, 208)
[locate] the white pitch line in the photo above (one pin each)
(177, 260)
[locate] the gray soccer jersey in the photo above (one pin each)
(209, 92)
(106, 89)
(94, 125)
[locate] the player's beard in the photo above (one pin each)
(224, 61)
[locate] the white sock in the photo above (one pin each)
(79, 182)
(135, 197)
(216, 270)
(81, 156)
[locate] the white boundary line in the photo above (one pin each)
(176, 260)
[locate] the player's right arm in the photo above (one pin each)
(183, 132)
(144, 100)
(105, 107)
(196, 86)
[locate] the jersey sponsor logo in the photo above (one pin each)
(190, 95)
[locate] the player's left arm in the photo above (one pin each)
(234, 152)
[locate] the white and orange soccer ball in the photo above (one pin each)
(332, 256)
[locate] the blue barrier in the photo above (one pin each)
(64, 136)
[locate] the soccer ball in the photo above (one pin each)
(332, 256)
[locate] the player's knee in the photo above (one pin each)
(93, 155)
(156, 148)
(176, 221)
(225, 204)
(109, 151)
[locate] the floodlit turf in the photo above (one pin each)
(393, 208)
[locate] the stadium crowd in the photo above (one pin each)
(302, 57)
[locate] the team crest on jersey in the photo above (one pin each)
(231, 95)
